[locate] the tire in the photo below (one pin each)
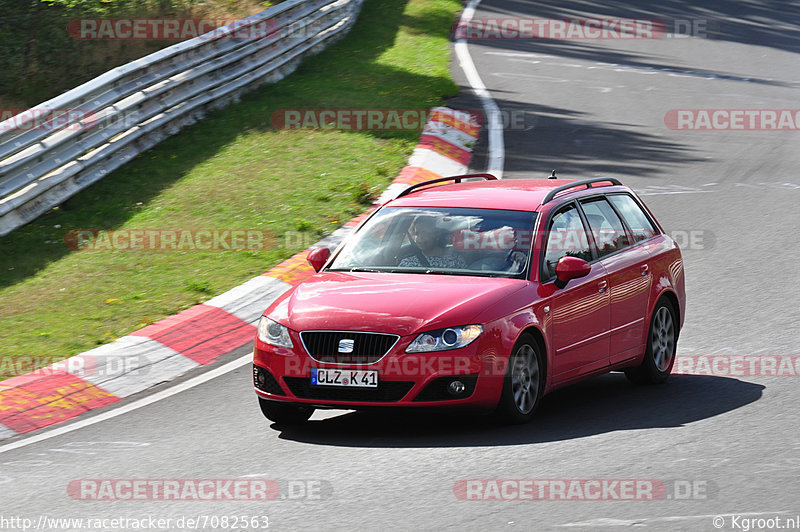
(523, 383)
(284, 414)
(662, 340)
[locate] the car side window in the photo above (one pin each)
(607, 229)
(634, 216)
(565, 238)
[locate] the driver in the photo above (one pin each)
(432, 246)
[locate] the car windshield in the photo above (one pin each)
(454, 241)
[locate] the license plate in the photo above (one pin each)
(344, 377)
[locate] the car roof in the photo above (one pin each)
(509, 194)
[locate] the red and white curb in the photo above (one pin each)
(199, 335)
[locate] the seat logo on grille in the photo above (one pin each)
(346, 345)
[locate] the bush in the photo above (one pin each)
(39, 60)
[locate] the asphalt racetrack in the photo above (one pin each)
(719, 445)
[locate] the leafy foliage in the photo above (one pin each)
(39, 59)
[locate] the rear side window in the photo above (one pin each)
(635, 217)
(607, 229)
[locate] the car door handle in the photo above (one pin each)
(602, 286)
(645, 269)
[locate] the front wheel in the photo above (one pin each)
(523, 384)
(662, 341)
(285, 414)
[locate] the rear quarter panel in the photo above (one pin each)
(667, 262)
(668, 274)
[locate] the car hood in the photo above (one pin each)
(398, 303)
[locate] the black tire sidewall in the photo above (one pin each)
(649, 366)
(507, 408)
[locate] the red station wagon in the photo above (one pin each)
(480, 294)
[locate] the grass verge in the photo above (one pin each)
(231, 171)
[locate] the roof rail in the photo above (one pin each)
(456, 178)
(586, 182)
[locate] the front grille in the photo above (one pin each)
(264, 381)
(368, 348)
(386, 392)
(436, 390)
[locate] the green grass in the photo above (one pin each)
(231, 171)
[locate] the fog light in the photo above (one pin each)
(456, 388)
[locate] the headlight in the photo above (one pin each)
(444, 339)
(273, 333)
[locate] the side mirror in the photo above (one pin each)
(569, 268)
(318, 257)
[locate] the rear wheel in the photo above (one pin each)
(285, 414)
(662, 343)
(523, 384)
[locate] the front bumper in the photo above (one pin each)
(404, 379)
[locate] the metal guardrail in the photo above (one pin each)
(102, 124)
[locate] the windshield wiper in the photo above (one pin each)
(502, 275)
